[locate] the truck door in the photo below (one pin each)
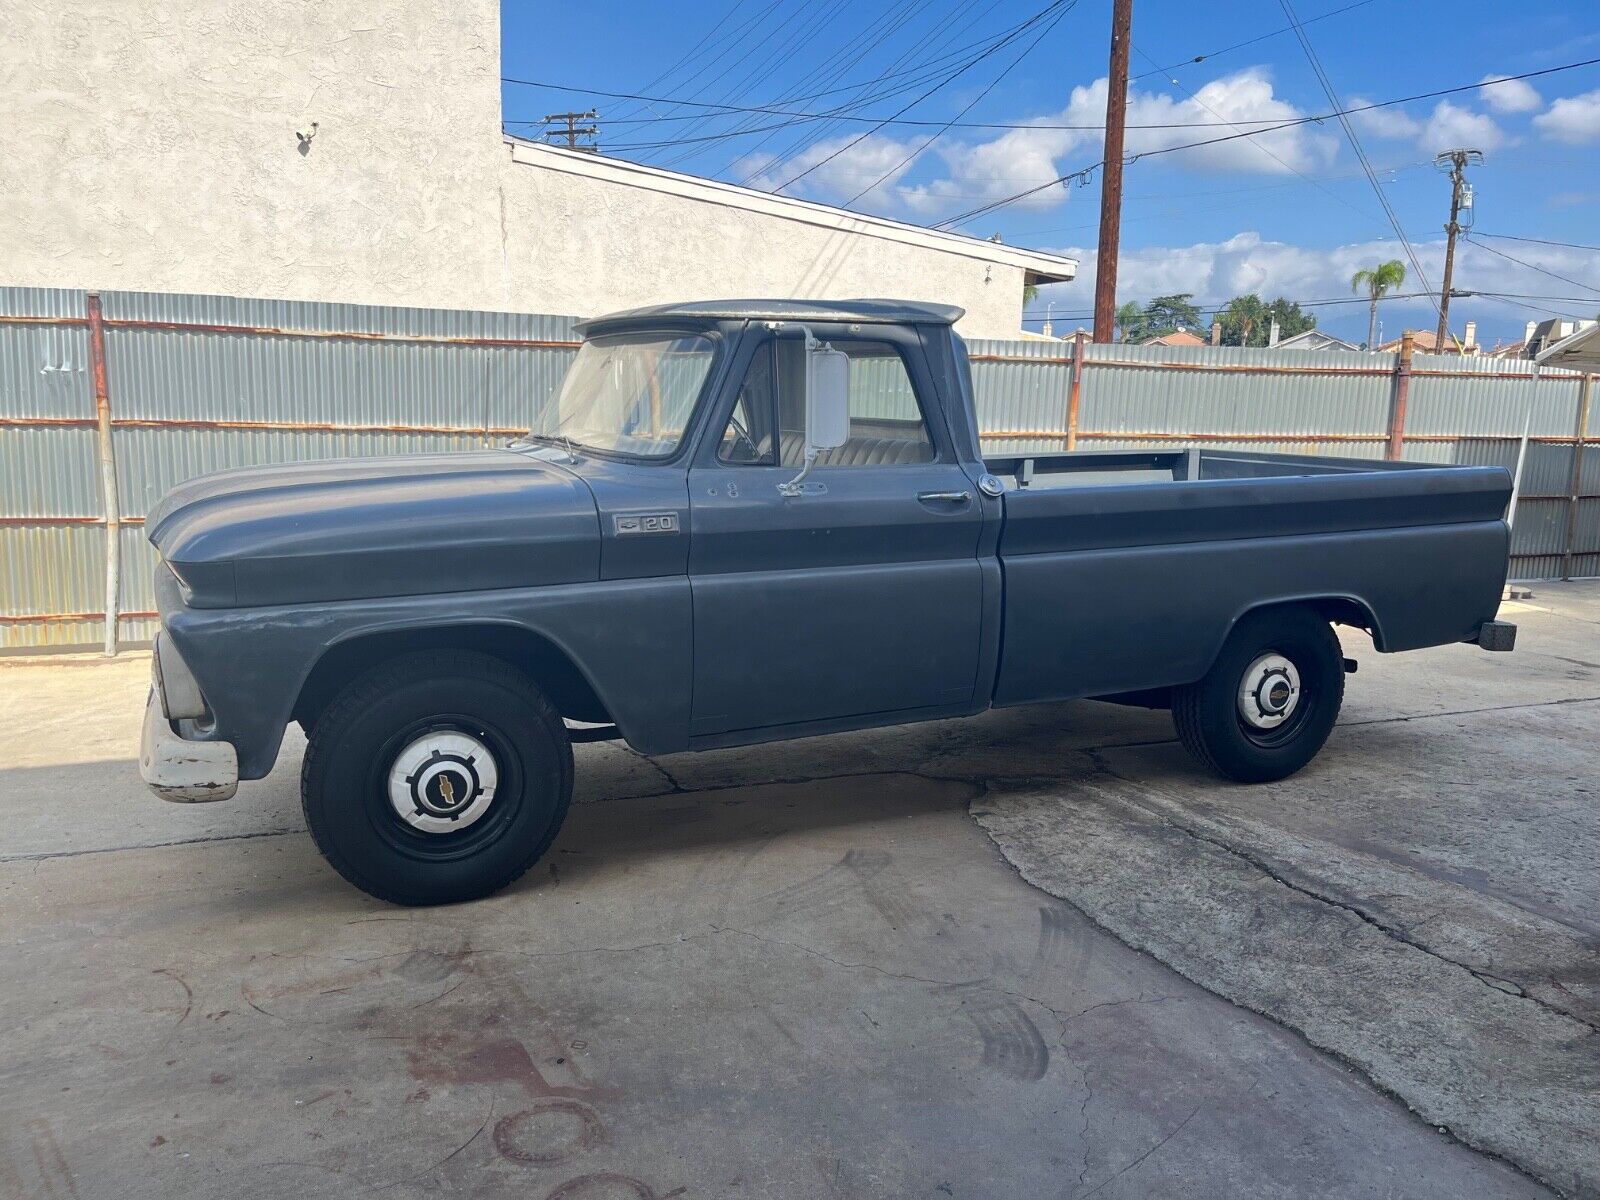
(861, 595)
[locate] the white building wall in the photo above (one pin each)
(151, 145)
(638, 244)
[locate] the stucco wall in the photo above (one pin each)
(151, 146)
(636, 245)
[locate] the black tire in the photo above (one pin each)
(397, 707)
(1210, 715)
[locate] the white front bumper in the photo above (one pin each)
(181, 770)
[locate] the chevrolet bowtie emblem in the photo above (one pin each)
(447, 790)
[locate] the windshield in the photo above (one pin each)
(628, 393)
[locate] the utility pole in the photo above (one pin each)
(1457, 161)
(1105, 266)
(573, 131)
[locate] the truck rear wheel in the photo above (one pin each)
(1269, 701)
(436, 778)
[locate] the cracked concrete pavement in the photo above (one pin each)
(804, 969)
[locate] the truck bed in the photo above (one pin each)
(1124, 570)
(1099, 468)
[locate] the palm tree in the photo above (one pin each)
(1130, 317)
(1376, 282)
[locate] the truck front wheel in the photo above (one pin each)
(1269, 701)
(436, 777)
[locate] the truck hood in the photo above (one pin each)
(394, 526)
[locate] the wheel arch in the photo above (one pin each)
(540, 657)
(1335, 608)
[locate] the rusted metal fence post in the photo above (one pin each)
(1075, 391)
(108, 470)
(1580, 438)
(1397, 405)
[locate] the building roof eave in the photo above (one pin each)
(1037, 266)
(1578, 351)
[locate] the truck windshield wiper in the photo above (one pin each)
(550, 439)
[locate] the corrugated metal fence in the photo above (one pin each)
(174, 386)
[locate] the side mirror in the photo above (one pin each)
(827, 407)
(827, 398)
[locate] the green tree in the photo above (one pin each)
(1164, 314)
(1244, 321)
(1168, 314)
(1130, 320)
(1291, 320)
(1247, 321)
(1376, 282)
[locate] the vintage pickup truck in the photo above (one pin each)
(745, 521)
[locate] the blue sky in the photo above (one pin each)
(1286, 212)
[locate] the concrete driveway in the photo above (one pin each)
(807, 970)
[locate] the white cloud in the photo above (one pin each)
(1217, 271)
(1575, 119)
(1509, 96)
(1447, 127)
(841, 169)
(1392, 122)
(1023, 158)
(1451, 126)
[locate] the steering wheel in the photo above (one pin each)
(744, 436)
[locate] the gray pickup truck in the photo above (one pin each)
(745, 521)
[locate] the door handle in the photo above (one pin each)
(945, 497)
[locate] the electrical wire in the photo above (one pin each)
(689, 54)
(771, 48)
(1200, 58)
(861, 47)
(841, 115)
(962, 218)
(1513, 258)
(1355, 142)
(1540, 241)
(934, 45)
(994, 83)
(948, 79)
(1265, 149)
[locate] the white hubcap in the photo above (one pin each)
(1269, 692)
(443, 781)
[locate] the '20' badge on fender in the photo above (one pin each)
(633, 523)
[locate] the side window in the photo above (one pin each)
(886, 422)
(747, 441)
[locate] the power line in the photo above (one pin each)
(859, 49)
(913, 76)
(1355, 142)
(731, 41)
(1510, 237)
(962, 218)
(994, 83)
(842, 115)
(1469, 293)
(1267, 150)
(923, 72)
(951, 78)
(1199, 58)
(774, 45)
(931, 41)
(838, 115)
(1513, 258)
(687, 55)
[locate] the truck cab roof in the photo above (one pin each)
(878, 311)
